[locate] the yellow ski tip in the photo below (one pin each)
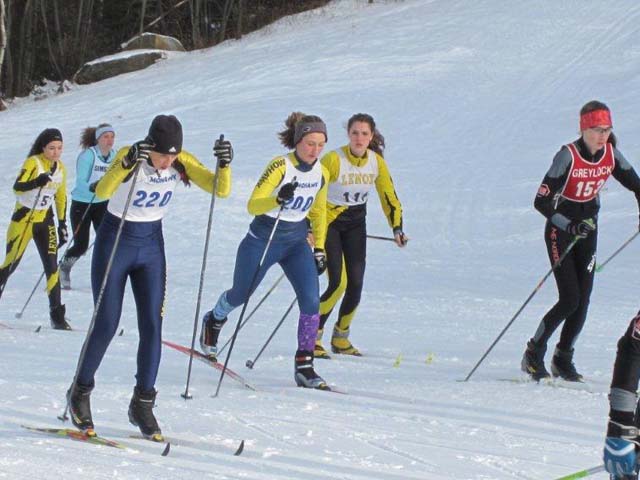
(398, 360)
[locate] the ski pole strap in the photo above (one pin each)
(626, 432)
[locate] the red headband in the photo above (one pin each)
(595, 118)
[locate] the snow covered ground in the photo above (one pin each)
(474, 99)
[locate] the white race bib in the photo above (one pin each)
(151, 194)
(354, 183)
(43, 197)
(100, 166)
(309, 184)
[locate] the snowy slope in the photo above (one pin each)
(474, 99)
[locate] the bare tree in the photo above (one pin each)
(45, 22)
(3, 46)
(226, 13)
(239, 24)
(3, 39)
(51, 39)
(142, 13)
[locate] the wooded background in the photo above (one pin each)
(51, 39)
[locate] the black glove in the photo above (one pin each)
(139, 151)
(42, 179)
(223, 152)
(92, 186)
(286, 192)
(321, 260)
(63, 234)
(581, 228)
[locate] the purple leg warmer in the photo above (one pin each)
(307, 331)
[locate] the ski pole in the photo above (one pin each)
(103, 287)
(246, 302)
(203, 268)
(251, 363)
(24, 307)
(622, 247)
(24, 232)
(555, 265)
(376, 237)
(244, 322)
(73, 238)
(583, 473)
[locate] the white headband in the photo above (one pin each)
(104, 129)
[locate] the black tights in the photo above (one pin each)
(82, 230)
(348, 244)
(574, 279)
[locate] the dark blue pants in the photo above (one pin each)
(139, 257)
(295, 258)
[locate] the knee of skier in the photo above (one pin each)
(569, 303)
(354, 288)
(309, 303)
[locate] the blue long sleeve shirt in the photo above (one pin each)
(90, 166)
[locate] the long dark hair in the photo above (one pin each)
(377, 142)
(41, 141)
(594, 105)
(88, 136)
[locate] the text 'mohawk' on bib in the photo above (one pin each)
(585, 179)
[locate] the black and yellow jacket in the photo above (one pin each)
(384, 186)
(32, 167)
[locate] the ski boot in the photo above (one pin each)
(533, 361)
(209, 334)
(304, 374)
(340, 343)
(319, 351)
(58, 320)
(65, 272)
(79, 402)
(562, 366)
(141, 414)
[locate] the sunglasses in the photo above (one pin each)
(602, 131)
